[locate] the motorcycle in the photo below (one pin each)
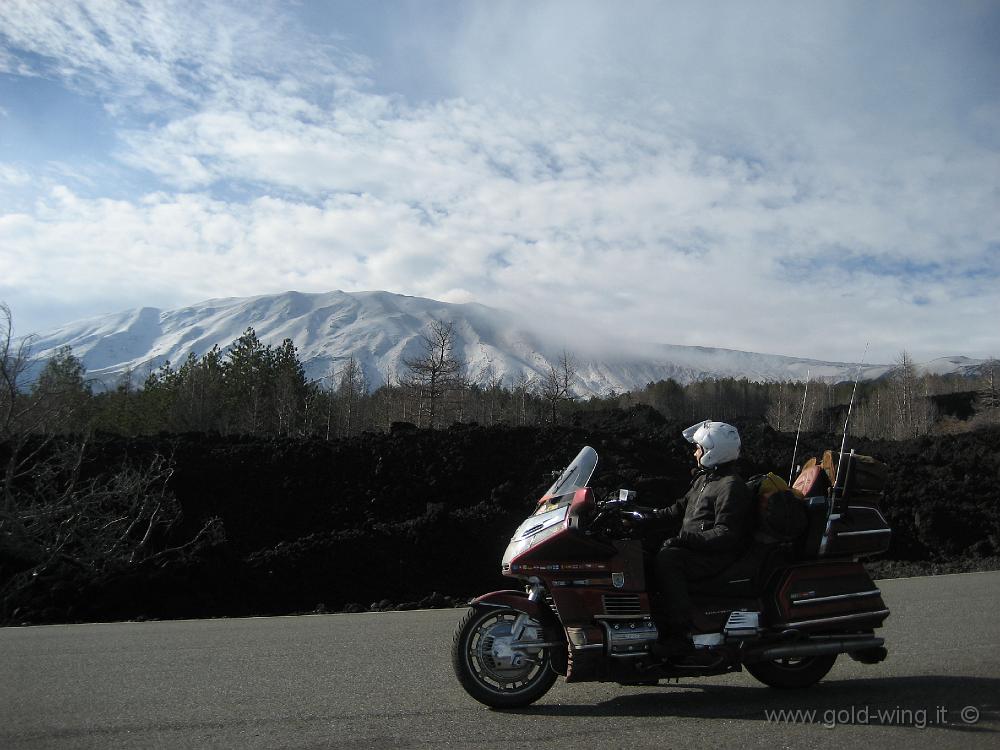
(783, 611)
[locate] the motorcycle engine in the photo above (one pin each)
(633, 637)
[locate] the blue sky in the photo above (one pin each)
(797, 178)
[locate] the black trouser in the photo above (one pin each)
(675, 566)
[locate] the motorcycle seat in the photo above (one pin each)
(745, 577)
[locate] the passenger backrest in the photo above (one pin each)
(816, 513)
(782, 517)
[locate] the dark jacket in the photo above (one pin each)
(715, 514)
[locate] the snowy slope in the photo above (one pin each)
(380, 329)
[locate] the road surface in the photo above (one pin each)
(385, 680)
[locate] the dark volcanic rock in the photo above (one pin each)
(389, 518)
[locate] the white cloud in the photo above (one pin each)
(167, 55)
(600, 173)
(13, 176)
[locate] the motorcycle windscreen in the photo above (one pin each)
(576, 475)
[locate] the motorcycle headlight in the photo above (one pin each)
(541, 523)
(534, 530)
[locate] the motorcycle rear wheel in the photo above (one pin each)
(793, 672)
(495, 684)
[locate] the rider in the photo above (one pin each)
(714, 518)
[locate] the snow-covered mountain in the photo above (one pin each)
(380, 330)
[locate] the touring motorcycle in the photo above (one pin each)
(784, 611)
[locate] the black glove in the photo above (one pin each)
(632, 519)
(682, 540)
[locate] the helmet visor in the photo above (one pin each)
(690, 434)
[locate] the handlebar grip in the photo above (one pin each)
(636, 516)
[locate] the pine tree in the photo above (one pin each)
(62, 393)
(288, 387)
(244, 371)
(199, 397)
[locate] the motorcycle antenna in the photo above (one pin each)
(802, 412)
(847, 421)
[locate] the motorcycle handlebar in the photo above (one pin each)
(634, 515)
(627, 519)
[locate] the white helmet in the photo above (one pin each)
(720, 442)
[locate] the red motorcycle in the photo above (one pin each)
(784, 611)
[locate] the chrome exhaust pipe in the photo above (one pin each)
(814, 648)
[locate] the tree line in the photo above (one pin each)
(904, 404)
(252, 388)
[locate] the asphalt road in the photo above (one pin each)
(385, 680)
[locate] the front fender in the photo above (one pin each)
(552, 629)
(517, 600)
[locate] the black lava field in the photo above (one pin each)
(419, 518)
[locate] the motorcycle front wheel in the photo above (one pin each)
(487, 667)
(789, 673)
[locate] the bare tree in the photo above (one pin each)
(523, 386)
(109, 521)
(386, 400)
(988, 393)
(50, 404)
(904, 377)
(492, 383)
(776, 414)
(15, 358)
(53, 512)
(351, 391)
(437, 372)
(913, 407)
(558, 381)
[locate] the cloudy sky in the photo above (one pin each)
(796, 178)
